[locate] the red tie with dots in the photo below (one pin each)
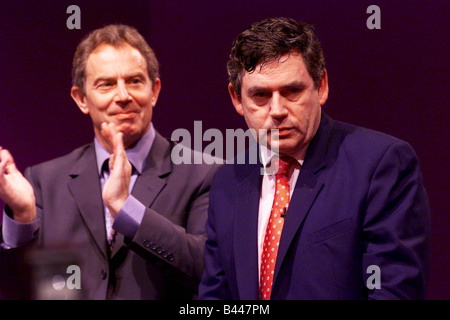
(273, 230)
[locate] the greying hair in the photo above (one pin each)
(115, 35)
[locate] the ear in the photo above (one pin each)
(323, 88)
(156, 89)
(237, 101)
(80, 99)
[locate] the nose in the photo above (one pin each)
(122, 95)
(277, 106)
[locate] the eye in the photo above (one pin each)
(136, 81)
(260, 98)
(292, 93)
(259, 95)
(105, 84)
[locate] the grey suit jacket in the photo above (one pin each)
(165, 258)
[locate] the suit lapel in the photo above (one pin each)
(246, 231)
(152, 179)
(306, 189)
(86, 191)
(300, 204)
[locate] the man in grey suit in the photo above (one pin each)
(134, 219)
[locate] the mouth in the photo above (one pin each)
(284, 131)
(124, 115)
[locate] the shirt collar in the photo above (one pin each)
(267, 155)
(136, 155)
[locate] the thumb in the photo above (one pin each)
(112, 160)
(7, 165)
(119, 152)
(118, 146)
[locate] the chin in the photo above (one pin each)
(128, 129)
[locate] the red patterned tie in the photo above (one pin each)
(273, 230)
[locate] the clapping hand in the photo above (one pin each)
(15, 190)
(116, 188)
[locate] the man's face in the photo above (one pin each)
(282, 96)
(118, 90)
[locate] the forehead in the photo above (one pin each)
(111, 60)
(290, 67)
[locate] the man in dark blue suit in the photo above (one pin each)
(357, 221)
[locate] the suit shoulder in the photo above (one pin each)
(362, 145)
(366, 138)
(65, 161)
(192, 165)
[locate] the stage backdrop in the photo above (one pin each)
(393, 79)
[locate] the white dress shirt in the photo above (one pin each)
(268, 193)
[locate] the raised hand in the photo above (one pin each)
(15, 190)
(116, 188)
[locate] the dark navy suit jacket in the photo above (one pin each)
(358, 201)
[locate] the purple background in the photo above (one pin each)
(393, 80)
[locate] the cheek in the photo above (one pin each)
(299, 117)
(147, 115)
(256, 118)
(255, 122)
(98, 103)
(305, 111)
(307, 121)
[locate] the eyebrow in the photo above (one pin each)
(255, 89)
(294, 84)
(130, 76)
(100, 79)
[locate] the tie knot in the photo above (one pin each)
(283, 167)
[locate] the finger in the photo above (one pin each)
(118, 146)
(112, 160)
(7, 164)
(106, 133)
(2, 165)
(1, 157)
(109, 132)
(120, 156)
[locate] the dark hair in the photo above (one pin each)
(269, 40)
(115, 35)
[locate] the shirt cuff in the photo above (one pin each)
(16, 234)
(129, 217)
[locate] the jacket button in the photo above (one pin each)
(170, 257)
(146, 243)
(104, 274)
(158, 250)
